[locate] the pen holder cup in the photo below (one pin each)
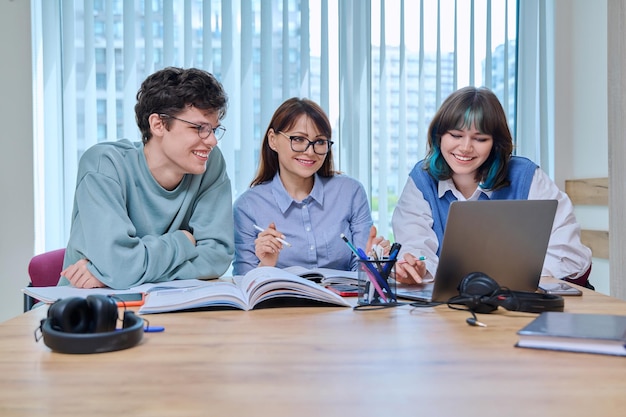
(376, 287)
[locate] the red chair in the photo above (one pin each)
(44, 271)
(582, 280)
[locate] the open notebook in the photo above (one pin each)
(506, 239)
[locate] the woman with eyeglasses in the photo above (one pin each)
(298, 200)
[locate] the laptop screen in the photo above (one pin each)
(505, 239)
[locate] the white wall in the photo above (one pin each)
(16, 158)
(581, 115)
(581, 128)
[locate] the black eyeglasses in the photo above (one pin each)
(204, 130)
(301, 144)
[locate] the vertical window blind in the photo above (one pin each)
(421, 51)
(380, 68)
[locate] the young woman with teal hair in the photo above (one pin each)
(470, 157)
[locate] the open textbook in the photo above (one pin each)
(294, 282)
(260, 287)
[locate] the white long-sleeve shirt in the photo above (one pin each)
(412, 223)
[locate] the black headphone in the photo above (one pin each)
(88, 325)
(482, 294)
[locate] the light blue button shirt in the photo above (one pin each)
(312, 226)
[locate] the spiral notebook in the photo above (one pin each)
(506, 239)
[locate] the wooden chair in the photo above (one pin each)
(590, 192)
(44, 271)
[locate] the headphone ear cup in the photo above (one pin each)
(70, 315)
(479, 287)
(104, 313)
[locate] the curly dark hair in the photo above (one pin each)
(171, 90)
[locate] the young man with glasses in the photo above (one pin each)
(159, 209)
(300, 203)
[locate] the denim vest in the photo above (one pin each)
(520, 175)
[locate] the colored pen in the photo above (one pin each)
(371, 273)
(149, 329)
(421, 258)
(395, 249)
(383, 266)
(374, 276)
(393, 255)
(378, 251)
(154, 329)
(350, 245)
(283, 241)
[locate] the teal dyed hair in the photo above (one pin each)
(490, 179)
(472, 116)
(437, 165)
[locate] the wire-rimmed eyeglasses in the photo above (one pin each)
(301, 144)
(204, 130)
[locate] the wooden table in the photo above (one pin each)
(315, 362)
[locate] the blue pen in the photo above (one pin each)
(372, 272)
(376, 275)
(393, 255)
(153, 329)
(149, 329)
(386, 270)
(395, 248)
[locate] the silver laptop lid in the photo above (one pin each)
(506, 239)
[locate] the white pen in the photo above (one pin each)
(283, 241)
(378, 250)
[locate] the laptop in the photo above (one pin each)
(505, 239)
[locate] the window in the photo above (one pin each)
(380, 68)
(421, 51)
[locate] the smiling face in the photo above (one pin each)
(175, 148)
(465, 150)
(469, 136)
(297, 166)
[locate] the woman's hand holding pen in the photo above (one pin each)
(410, 270)
(268, 245)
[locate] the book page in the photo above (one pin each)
(335, 276)
(212, 294)
(264, 283)
(51, 294)
(327, 276)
